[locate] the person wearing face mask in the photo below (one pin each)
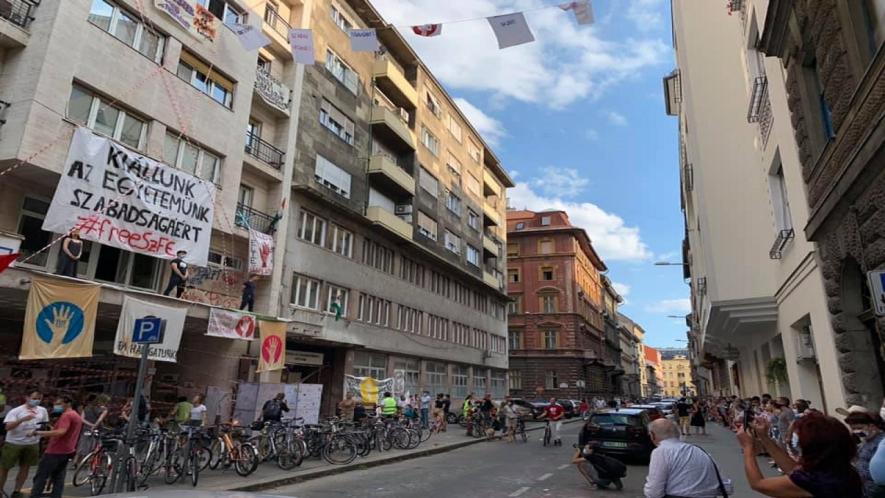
(22, 448)
(866, 427)
(62, 445)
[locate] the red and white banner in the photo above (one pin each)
(260, 253)
(231, 324)
(427, 30)
(582, 9)
(272, 354)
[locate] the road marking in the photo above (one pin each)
(518, 492)
(544, 477)
(563, 466)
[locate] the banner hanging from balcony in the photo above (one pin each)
(191, 16)
(119, 198)
(367, 388)
(59, 319)
(301, 41)
(260, 253)
(172, 324)
(231, 324)
(274, 93)
(272, 354)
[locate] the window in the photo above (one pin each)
(520, 226)
(454, 166)
(312, 229)
(411, 374)
(548, 303)
(473, 151)
(515, 379)
(430, 141)
(436, 374)
(455, 128)
(515, 339)
(367, 364)
(224, 11)
(429, 183)
(411, 271)
(340, 241)
(453, 203)
(245, 195)
(549, 339)
(545, 221)
(409, 319)
(459, 382)
(305, 292)
(128, 29)
(472, 219)
(218, 260)
(432, 104)
(30, 225)
(779, 201)
(479, 381)
(336, 122)
(546, 273)
(875, 10)
(550, 379)
(471, 183)
(513, 275)
(206, 79)
(426, 226)
(339, 295)
(97, 114)
(515, 306)
(452, 242)
(377, 256)
(512, 249)
(329, 175)
(822, 115)
(340, 19)
(342, 72)
(180, 153)
(545, 246)
(472, 255)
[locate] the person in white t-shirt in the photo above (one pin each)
(22, 447)
(198, 412)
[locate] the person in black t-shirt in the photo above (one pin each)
(683, 409)
(178, 278)
(248, 300)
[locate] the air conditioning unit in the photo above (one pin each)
(405, 217)
(805, 347)
(403, 209)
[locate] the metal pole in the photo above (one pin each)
(123, 451)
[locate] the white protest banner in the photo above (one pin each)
(173, 324)
(301, 41)
(260, 253)
(191, 16)
(122, 199)
(582, 9)
(368, 389)
(511, 29)
(231, 324)
(250, 37)
(364, 40)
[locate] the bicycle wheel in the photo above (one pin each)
(131, 473)
(204, 456)
(339, 451)
(84, 469)
(245, 458)
(174, 467)
(193, 463)
(414, 438)
(547, 436)
(462, 421)
(262, 445)
(215, 454)
(524, 436)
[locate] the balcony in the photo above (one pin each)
(490, 185)
(392, 128)
(490, 214)
(757, 99)
(780, 242)
(254, 219)
(393, 223)
(493, 278)
(390, 79)
(491, 245)
(277, 29)
(263, 151)
(18, 15)
(388, 174)
(275, 94)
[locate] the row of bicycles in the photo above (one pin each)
(183, 453)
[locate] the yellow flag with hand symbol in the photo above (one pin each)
(59, 319)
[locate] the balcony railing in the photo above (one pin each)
(18, 12)
(276, 22)
(757, 98)
(259, 149)
(780, 242)
(252, 218)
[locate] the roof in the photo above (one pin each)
(579, 233)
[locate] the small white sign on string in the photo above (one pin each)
(301, 41)
(364, 40)
(511, 29)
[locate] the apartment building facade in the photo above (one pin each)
(833, 80)
(654, 376)
(556, 325)
(677, 379)
(757, 282)
(246, 121)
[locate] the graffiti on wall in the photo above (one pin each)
(215, 286)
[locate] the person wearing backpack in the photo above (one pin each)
(599, 470)
(273, 409)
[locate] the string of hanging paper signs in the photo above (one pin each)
(509, 29)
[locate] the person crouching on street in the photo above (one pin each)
(598, 469)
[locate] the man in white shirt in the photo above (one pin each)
(22, 447)
(678, 468)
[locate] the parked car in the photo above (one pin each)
(571, 409)
(666, 407)
(653, 411)
(622, 432)
(526, 408)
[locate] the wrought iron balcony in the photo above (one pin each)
(780, 242)
(259, 149)
(701, 285)
(757, 99)
(276, 22)
(688, 177)
(18, 12)
(254, 219)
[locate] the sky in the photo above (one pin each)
(577, 118)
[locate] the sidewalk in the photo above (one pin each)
(722, 445)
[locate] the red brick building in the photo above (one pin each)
(557, 331)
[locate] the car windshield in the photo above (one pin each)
(614, 419)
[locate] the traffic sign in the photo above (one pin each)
(148, 330)
(876, 280)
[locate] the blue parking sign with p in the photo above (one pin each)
(148, 330)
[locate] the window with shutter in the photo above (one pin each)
(332, 177)
(426, 225)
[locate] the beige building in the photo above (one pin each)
(676, 377)
(757, 288)
(377, 190)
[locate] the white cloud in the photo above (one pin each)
(616, 118)
(488, 127)
(610, 236)
(646, 14)
(560, 182)
(671, 256)
(591, 134)
(566, 63)
(622, 289)
(676, 306)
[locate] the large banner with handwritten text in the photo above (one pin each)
(119, 198)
